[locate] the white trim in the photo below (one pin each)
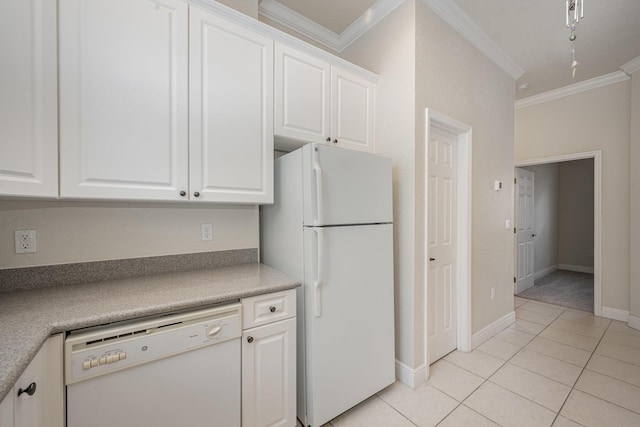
(460, 21)
(596, 82)
(369, 19)
(631, 66)
(409, 376)
(576, 268)
(615, 314)
(281, 14)
(597, 213)
(544, 272)
(463, 231)
(634, 322)
(493, 329)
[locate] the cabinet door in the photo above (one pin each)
(28, 99)
(352, 104)
(231, 115)
(269, 375)
(302, 90)
(28, 409)
(123, 99)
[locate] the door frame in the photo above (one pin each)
(597, 212)
(463, 231)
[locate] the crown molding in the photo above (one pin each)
(596, 82)
(631, 66)
(460, 21)
(281, 14)
(369, 19)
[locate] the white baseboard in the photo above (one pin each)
(409, 376)
(576, 268)
(544, 272)
(615, 314)
(493, 329)
(634, 322)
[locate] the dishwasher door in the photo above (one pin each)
(171, 373)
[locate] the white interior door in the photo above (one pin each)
(442, 211)
(525, 184)
(349, 317)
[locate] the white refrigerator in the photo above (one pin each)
(331, 227)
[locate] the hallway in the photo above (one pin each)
(554, 366)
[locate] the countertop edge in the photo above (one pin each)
(30, 347)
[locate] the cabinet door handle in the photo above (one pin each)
(30, 390)
(432, 259)
(196, 194)
(328, 139)
(335, 141)
(272, 309)
(249, 340)
(183, 193)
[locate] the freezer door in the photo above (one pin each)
(349, 320)
(345, 187)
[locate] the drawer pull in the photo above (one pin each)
(272, 309)
(29, 390)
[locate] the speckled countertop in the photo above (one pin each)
(28, 317)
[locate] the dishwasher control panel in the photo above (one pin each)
(97, 351)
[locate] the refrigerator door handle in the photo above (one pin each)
(317, 170)
(317, 284)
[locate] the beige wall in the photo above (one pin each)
(598, 119)
(388, 50)
(248, 7)
(422, 62)
(76, 232)
(635, 198)
(456, 79)
(575, 213)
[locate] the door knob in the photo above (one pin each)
(30, 390)
(432, 259)
(533, 235)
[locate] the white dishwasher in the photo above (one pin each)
(181, 369)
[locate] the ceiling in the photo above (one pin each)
(530, 34)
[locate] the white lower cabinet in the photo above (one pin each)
(269, 361)
(37, 398)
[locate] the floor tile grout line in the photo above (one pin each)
(396, 410)
(579, 376)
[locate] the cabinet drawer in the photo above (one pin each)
(268, 308)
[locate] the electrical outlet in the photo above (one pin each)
(25, 241)
(493, 293)
(207, 231)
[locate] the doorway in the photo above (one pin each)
(564, 259)
(447, 243)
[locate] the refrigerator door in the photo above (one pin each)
(348, 317)
(345, 186)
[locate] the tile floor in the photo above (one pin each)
(553, 367)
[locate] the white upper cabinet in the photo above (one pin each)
(231, 113)
(319, 102)
(123, 99)
(302, 90)
(352, 103)
(28, 99)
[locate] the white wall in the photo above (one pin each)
(68, 232)
(545, 218)
(598, 119)
(575, 214)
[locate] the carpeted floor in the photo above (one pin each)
(565, 288)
